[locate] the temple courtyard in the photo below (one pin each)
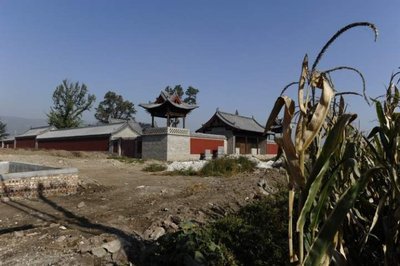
(118, 209)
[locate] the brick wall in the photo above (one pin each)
(76, 144)
(26, 143)
(271, 148)
(199, 145)
(32, 187)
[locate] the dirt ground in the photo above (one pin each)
(115, 201)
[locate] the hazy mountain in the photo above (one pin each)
(18, 125)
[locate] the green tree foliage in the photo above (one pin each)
(70, 101)
(190, 93)
(114, 106)
(178, 89)
(3, 129)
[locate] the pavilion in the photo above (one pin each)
(170, 107)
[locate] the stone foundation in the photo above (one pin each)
(22, 180)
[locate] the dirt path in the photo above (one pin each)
(115, 201)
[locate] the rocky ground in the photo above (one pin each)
(117, 211)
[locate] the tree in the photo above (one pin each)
(190, 93)
(190, 98)
(3, 129)
(70, 101)
(178, 89)
(114, 106)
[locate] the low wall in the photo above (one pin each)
(271, 148)
(166, 144)
(22, 180)
(25, 143)
(178, 144)
(200, 142)
(76, 144)
(154, 147)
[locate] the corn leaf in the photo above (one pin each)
(296, 177)
(324, 241)
(313, 126)
(302, 83)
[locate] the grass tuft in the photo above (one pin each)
(227, 167)
(155, 167)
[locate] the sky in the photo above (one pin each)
(239, 54)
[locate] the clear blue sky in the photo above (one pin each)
(239, 54)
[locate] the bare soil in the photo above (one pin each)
(116, 200)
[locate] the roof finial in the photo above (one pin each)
(237, 112)
(217, 109)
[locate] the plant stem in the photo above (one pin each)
(290, 229)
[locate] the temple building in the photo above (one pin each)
(171, 143)
(170, 107)
(244, 134)
(224, 133)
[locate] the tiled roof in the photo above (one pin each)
(168, 98)
(240, 122)
(34, 131)
(83, 131)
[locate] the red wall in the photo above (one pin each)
(76, 144)
(8, 144)
(26, 143)
(198, 146)
(271, 148)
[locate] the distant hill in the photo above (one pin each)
(18, 125)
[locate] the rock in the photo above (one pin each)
(176, 219)
(264, 187)
(120, 257)
(154, 233)
(54, 224)
(60, 239)
(99, 252)
(112, 246)
(81, 204)
(5, 199)
(83, 248)
(169, 224)
(43, 236)
(19, 233)
(62, 227)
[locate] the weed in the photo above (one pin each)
(155, 167)
(127, 160)
(227, 166)
(256, 235)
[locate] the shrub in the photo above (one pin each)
(190, 246)
(125, 159)
(227, 166)
(256, 235)
(185, 172)
(155, 167)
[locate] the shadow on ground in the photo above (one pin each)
(131, 243)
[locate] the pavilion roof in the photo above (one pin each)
(166, 104)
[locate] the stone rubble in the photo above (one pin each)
(198, 165)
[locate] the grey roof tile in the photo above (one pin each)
(83, 131)
(240, 122)
(35, 131)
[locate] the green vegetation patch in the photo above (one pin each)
(227, 166)
(256, 235)
(124, 159)
(155, 167)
